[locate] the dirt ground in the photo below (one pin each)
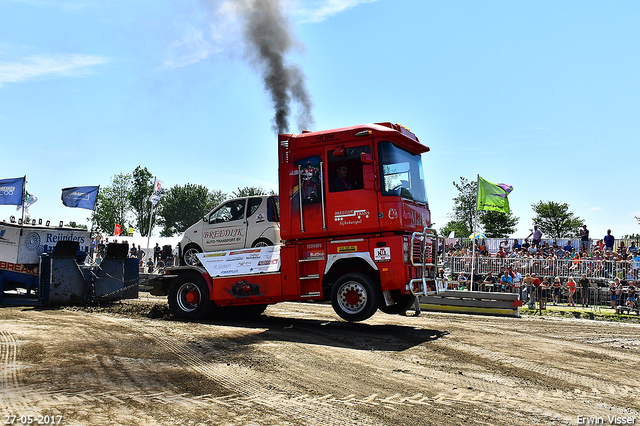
(131, 364)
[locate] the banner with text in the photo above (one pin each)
(241, 261)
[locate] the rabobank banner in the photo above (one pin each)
(11, 191)
(83, 197)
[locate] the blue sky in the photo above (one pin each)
(540, 95)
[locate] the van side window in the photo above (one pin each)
(273, 209)
(233, 210)
(254, 203)
(345, 169)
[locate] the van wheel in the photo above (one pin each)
(189, 255)
(354, 297)
(189, 297)
(262, 242)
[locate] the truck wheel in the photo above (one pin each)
(189, 255)
(262, 242)
(403, 302)
(189, 297)
(354, 297)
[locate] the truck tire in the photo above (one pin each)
(354, 297)
(189, 297)
(189, 257)
(403, 302)
(261, 242)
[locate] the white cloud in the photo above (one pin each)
(45, 66)
(329, 8)
(192, 48)
(64, 4)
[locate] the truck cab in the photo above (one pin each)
(361, 179)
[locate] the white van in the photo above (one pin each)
(238, 223)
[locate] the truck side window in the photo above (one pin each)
(254, 203)
(233, 210)
(345, 171)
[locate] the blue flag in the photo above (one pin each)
(83, 197)
(11, 191)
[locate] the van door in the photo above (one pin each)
(226, 228)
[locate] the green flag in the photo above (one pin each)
(493, 196)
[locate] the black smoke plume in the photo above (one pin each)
(269, 38)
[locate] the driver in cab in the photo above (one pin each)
(341, 183)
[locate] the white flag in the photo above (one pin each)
(27, 201)
(157, 192)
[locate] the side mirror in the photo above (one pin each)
(366, 158)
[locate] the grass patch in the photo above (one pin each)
(599, 313)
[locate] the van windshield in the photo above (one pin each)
(402, 173)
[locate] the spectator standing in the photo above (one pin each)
(93, 246)
(584, 238)
(132, 251)
(584, 290)
(537, 236)
(536, 285)
(527, 281)
(140, 253)
(608, 241)
(157, 251)
(631, 295)
(544, 292)
(612, 294)
(571, 285)
(555, 291)
(517, 281)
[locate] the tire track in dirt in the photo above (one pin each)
(260, 390)
(12, 395)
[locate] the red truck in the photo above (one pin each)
(355, 228)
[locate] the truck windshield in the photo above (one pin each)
(401, 172)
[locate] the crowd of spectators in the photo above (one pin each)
(545, 269)
(155, 260)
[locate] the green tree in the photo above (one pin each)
(112, 204)
(141, 190)
(249, 191)
(464, 205)
(459, 228)
(498, 224)
(555, 220)
(182, 206)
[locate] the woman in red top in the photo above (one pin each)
(571, 285)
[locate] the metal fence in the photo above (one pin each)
(599, 270)
(492, 244)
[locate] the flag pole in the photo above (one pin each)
(473, 254)
(24, 189)
(155, 179)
